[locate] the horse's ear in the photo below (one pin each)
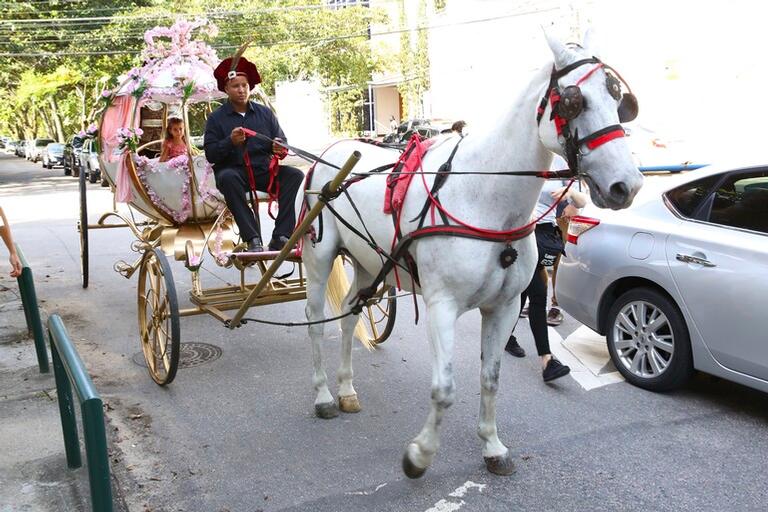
(591, 42)
(561, 53)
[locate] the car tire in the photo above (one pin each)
(92, 176)
(648, 340)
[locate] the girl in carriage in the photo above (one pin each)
(174, 143)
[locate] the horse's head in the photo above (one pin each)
(579, 118)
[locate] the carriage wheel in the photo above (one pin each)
(158, 317)
(82, 227)
(379, 317)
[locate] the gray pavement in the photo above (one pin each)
(238, 433)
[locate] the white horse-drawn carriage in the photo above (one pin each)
(463, 251)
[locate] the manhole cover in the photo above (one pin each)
(192, 354)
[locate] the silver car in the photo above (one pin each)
(678, 281)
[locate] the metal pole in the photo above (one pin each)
(32, 312)
(66, 409)
(96, 455)
(297, 233)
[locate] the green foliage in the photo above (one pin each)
(73, 61)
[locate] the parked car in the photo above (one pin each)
(36, 149)
(425, 127)
(71, 158)
(10, 147)
(53, 155)
(89, 161)
(677, 281)
(20, 148)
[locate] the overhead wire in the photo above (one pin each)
(294, 41)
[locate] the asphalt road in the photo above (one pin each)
(238, 433)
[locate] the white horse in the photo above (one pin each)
(459, 274)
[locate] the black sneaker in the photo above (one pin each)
(554, 370)
(277, 243)
(514, 348)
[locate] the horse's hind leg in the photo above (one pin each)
(318, 262)
(421, 451)
(348, 401)
(497, 325)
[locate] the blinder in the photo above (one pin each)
(628, 107)
(571, 103)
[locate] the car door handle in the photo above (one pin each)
(686, 258)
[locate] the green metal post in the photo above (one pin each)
(66, 410)
(96, 454)
(24, 301)
(32, 312)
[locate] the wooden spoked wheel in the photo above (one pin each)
(158, 317)
(82, 228)
(379, 317)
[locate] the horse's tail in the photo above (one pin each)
(338, 286)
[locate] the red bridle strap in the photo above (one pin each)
(600, 137)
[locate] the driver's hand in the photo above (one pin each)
(238, 137)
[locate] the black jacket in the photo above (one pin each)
(219, 149)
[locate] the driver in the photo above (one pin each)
(225, 144)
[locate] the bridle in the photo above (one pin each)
(568, 103)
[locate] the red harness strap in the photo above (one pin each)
(273, 185)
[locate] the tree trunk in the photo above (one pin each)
(56, 119)
(47, 122)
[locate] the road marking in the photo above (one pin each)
(365, 493)
(586, 353)
(452, 506)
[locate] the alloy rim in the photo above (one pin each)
(643, 339)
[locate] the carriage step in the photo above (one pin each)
(294, 255)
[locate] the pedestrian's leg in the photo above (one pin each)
(537, 313)
(231, 182)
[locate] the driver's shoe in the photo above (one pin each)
(255, 245)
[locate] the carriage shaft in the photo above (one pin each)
(300, 231)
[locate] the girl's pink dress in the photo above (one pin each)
(175, 150)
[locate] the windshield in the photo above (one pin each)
(43, 142)
(55, 148)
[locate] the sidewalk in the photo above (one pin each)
(33, 468)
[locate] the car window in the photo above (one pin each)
(43, 142)
(742, 202)
(687, 198)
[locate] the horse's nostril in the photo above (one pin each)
(619, 192)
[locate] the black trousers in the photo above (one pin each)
(536, 293)
(233, 183)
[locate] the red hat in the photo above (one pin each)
(224, 72)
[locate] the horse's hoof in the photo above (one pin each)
(410, 470)
(349, 403)
(326, 411)
(503, 466)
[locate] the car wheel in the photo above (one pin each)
(648, 340)
(92, 176)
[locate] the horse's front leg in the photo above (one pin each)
(498, 323)
(441, 316)
(318, 266)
